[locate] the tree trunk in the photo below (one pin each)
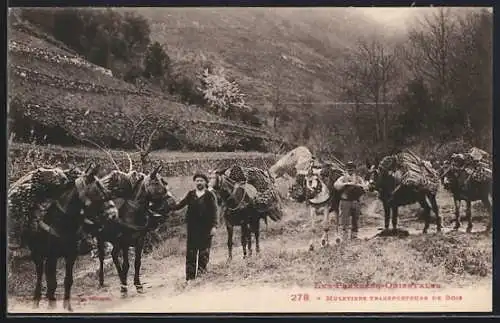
(377, 122)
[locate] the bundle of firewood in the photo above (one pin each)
(416, 171)
(267, 199)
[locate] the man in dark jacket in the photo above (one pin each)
(201, 219)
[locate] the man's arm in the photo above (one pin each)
(340, 183)
(182, 203)
(212, 209)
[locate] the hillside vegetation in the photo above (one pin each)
(252, 43)
(226, 79)
(58, 96)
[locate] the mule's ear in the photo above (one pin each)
(368, 163)
(155, 172)
(91, 172)
(89, 168)
(102, 188)
(164, 181)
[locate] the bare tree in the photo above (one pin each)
(429, 51)
(277, 80)
(368, 73)
(143, 134)
(472, 73)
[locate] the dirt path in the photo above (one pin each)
(165, 293)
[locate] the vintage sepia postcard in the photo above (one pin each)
(249, 160)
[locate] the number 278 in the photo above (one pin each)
(299, 297)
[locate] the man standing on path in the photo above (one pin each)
(351, 188)
(201, 218)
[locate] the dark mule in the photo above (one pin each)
(393, 195)
(458, 182)
(238, 211)
(137, 195)
(84, 198)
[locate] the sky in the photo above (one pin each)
(394, 17)
(397, 17)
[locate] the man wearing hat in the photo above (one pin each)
(201, 218)
(351, 187)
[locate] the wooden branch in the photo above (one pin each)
(103, 149)
(147, 148)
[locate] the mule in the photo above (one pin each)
(238, 210)
(136, 194)
(457, 181)
(393, 195)
(317, 190)
(318, 196)
(83, 198)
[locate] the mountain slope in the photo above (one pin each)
(251, 42)
(61, 95)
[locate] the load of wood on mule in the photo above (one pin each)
(266, 198)
(29, 198)
(478, 164)
(412, 170)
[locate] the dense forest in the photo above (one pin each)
(432, 86)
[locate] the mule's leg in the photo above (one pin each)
(487, 205)
(255, 228)
(326, 227)
(249, 236)
(230, 231)
(125, 268)
(244, 230)
(39, 263)
(115, 255)
(457, 214)
(68, 281)
(468, 215)
(345, 209)
(137, 265)
(50, 276)
(313, 231)
(435, 209)
(427, 214)
(100, 253)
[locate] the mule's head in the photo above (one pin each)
(121, 184)
(158, 195)
(297, 191)
(451, 174)
(216, 178)
(376, 174)
(313, 185)
(155, 185)
(93, 194)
